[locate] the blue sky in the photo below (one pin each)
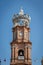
(35, 9)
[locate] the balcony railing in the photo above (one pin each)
(20, 57)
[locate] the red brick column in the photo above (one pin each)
(25, 54)
(12, 53)
(16, 54)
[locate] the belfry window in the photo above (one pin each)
(20, 54)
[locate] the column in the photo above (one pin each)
(29, 54)
(25, 54)
(12, 53)
(16, 54)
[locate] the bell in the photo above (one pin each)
(20, 53)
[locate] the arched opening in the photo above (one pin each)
(20, 54)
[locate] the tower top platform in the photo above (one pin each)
(21, 17)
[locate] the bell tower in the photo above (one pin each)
(21, 45)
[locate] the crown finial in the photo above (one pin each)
(21, 12)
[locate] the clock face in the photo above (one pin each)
(21, 33)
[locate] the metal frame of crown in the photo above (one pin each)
(21, 17)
